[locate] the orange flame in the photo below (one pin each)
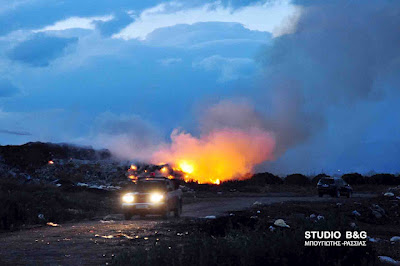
(218, 156)
(132, 177)
(50, 162)
(164, 170)
(133, 167)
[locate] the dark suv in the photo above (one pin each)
(153, 195)
(334, 186)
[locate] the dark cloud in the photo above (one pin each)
(7, 89)
(17, 133)
(40, 50)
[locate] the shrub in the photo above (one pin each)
(297, 179)
(354, 179)
(383, 179)
(263, 179)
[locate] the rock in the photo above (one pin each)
(113, 217)
(281, 223)
(271, 228)
(356, 213)
(388, 194)
(388, 260)
(378, 208)
(377, 211)
(376, 214)
(374, 240)
(395, 239)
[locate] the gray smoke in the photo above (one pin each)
(340, 53)
(126, 136)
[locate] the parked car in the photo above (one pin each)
(153, 195)
(334, 186)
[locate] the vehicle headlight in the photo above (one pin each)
(156, 197)
(128, 198)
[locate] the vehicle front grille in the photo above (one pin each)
(142, 198)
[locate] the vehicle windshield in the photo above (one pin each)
(149, 186)
(326, 181)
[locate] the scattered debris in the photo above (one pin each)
(108, 237)
(388, 260)
(378, 208)
(257, 203)
(52, 224)
(377, 214)
(271, 228)
(107, 222)
(113, 217)
(124, 235)
(395, 239)
(374, 240)
(281, 223)
(356, 213)
(377, 211)
(116, 235)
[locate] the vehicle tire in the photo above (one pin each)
(127, 215)
(320, 194)
(349, 195)
(178, 210)
(337, 194)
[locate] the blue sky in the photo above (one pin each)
(322, 75)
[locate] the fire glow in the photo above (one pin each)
(218, 156)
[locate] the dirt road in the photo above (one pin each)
(95, 242)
